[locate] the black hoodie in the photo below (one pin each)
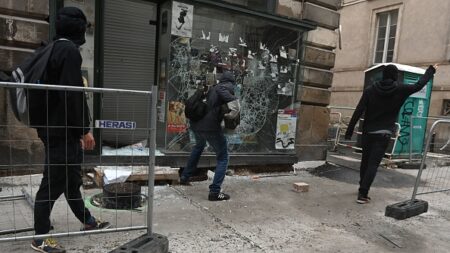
(68, 113)
(381, 103)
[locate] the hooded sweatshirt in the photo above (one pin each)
(68, 113)
(381, 103)
(217, 95)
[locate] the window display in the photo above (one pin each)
(264, 60)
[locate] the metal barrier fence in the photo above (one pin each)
(437, 177)
(131, 116)
(341, 127)
(439, 142)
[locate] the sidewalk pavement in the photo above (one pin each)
(266, 215)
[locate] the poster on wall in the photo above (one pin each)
(286, 128)
(182, 18)
(176, 121)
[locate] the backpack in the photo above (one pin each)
(30, 105)
(233, 123)
(195, 108)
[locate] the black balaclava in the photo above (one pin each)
(390, 72)
(71, 24)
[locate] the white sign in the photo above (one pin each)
(286, 128)
(182, 18)
(421, 93)
(115, 124)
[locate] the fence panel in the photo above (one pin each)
(436, 177)
(127, 206)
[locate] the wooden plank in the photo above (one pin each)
(139, 174)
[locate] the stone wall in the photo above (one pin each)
(318, 59)
(23, 26)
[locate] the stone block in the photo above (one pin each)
(323, 38)
(316, 77)
(322, 16)
(26, 8)
(12, 58)
(301, 187)
(332, 4)
(314, 96)
(312, 125)
(20, 33)
(317, 57)
(311, 153)
(290, 8)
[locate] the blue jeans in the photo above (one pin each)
(218, 142)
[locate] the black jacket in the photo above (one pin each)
(68, 113)
(217, 95)
(381, 103)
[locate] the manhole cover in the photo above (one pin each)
(121, 196)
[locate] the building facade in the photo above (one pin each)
(410, 32)
(280, 51)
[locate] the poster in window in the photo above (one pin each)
(286, 128)
(161, 106)
(182, 18)
(176, 120)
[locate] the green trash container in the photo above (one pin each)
(416, 105)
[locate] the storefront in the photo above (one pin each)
(178, 45)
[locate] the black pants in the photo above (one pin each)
(62, 174)
(374, 147)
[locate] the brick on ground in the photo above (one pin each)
(301, 187)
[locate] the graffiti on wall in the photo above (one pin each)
(405, 118)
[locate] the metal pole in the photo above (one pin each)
(99, 231)
(151, 167)
(12, 197)
(410, 137)
(424, 156)
(69, 88)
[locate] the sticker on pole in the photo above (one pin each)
(115, 124)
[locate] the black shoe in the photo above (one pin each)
(98, 224)
(218, 196)
(48, 245)
(362, 199)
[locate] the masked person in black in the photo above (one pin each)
(380, 103)
(66, 133)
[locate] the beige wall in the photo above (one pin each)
(423, 38)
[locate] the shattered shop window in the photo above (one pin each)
(264, 60)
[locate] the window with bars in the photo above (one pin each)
(446, 107)
(385, 37)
